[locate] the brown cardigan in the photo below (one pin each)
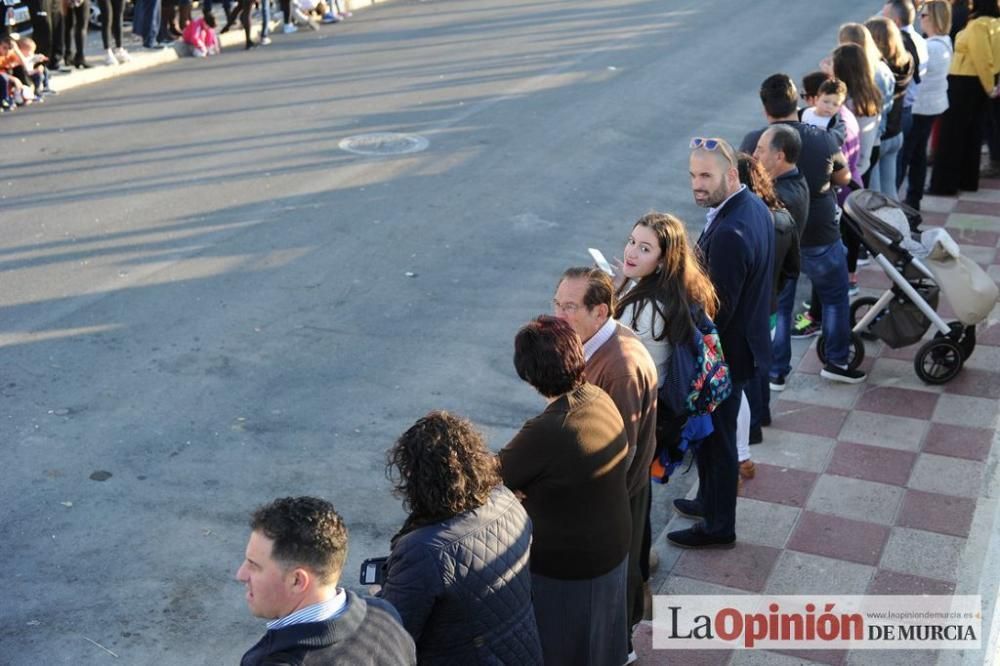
(569, 461)
(626, 372)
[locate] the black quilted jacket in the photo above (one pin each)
(463, 587)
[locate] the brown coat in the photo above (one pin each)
(626, 372)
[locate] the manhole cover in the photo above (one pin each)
(384, 143)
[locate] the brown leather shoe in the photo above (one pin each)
(747, 469)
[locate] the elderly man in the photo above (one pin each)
(293, 563)
(824, 258)
(617, 362)
(778, 152)
(737, 246)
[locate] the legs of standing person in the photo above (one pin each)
(905, 154)
(853, 245)
(781, 344)
(286, 11)
(888, 158)
(118, 16)
(826, 266)
(959, 138)
(41, 27)
(265, 19)
(105, 6)
(54, 8)
(183, 14)
(993, 137)
(244, 12)
(635, 602)
(758, 397)
(917, 174)
(718, 469)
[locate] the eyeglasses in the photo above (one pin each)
(568, 308)
(713, 144)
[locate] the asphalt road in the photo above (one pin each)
(207, 303)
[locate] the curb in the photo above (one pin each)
(143, 59)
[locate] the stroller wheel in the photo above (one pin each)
(856, 352)
(965, 336)
(938, 361)
(859, 308)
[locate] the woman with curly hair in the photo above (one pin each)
(458, 570)
(569, 462)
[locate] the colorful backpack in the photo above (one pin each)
(697, 378)
(697, 381)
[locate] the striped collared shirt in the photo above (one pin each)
(324, 610)
(603, 334)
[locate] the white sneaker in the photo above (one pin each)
(122, 55)
(109, 59)
(264, 41)
(289, 28)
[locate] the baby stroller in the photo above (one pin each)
(921, 267)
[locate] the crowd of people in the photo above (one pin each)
(541, 553)
(58, 40)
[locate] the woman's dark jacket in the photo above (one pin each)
(463, 586)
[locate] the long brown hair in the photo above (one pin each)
(851, 66)
(858, 33)
(889, 41)
(679, 282)
(758, 180)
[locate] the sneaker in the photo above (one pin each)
(863, 257)
(843, 375)
(330, 17)
(289, 28)
(109, 58)
(264, 41)
(122, 55)
(805, 327)
(777, 384)
(852, 288)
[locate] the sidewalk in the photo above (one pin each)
(887, 487)
(144, 59)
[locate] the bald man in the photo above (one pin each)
(737, 247)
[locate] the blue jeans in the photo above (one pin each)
(826, 267)
(265, 18)
(781, 345)
(883, 178)
(146, 21)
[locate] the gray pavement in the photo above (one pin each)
(209, 300)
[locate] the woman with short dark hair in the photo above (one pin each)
(569, 463)
(458, 571)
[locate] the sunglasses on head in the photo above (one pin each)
(713, 144)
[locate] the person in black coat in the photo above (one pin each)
(458, 572)
(737, 246)
(785, 269)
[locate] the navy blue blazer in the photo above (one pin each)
(738, 251)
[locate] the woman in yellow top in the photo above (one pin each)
(971, 80)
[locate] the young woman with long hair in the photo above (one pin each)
(659, 279)
(890, 43)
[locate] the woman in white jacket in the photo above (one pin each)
(932, 93)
